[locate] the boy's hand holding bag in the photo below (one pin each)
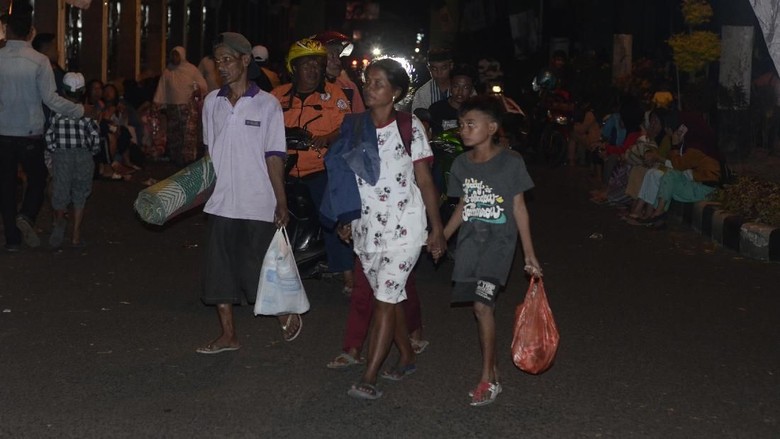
(280, 290)
(536, 336)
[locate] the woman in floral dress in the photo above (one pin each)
(391, 230)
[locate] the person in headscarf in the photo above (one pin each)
(208, 68)
(179, 91)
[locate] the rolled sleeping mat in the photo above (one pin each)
(182, 191)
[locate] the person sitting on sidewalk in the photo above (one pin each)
(611, 156)
(645, 153)
(586, 133)
(649, 166)
(72, 142)
(694, 175)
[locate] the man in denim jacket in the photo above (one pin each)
(26, 81)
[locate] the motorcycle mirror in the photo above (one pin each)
(347, 50)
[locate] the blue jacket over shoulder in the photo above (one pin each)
(355, 153)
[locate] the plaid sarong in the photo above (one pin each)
(182, 191)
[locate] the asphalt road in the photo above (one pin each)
(662, 335)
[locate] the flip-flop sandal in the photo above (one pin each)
(419, 346)
(499, 389)
(628, 216)
(652, 220)
(211, 349)
(478, 398)
(399, 373)
(344, 360)
(285, 335)
(635, 222)
(364, 391)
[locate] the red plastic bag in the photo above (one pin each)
(536, 335)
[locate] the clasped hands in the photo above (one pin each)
(435, 243)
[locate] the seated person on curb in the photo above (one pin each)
(586, 133)
(317, 106)
(613, 132)
(693, 177)
(649, 164)
(627, 177)
(610, 156)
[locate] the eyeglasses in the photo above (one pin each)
(226, 60)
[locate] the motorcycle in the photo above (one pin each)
(303, 228)
(555, 137)
(552, 120)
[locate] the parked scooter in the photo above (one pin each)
(304, 230)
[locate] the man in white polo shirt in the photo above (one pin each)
(243, 130)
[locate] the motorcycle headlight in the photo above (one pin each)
(561, 120)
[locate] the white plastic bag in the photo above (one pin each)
(280, 290)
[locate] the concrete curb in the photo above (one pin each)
(753, 240)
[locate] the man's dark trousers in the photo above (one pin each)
(27, 151)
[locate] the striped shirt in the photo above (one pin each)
(68, 133)
(428, 94)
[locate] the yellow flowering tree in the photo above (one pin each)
(694, 50)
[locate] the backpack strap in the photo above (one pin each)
(404, 120)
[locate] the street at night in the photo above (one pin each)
(151, 149)
(662, 335)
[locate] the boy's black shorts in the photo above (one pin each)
(233, 258)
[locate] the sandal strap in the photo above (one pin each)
(483, 387)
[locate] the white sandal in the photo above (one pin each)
(287, 325)
(493, 389)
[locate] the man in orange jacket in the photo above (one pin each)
(317, 106)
